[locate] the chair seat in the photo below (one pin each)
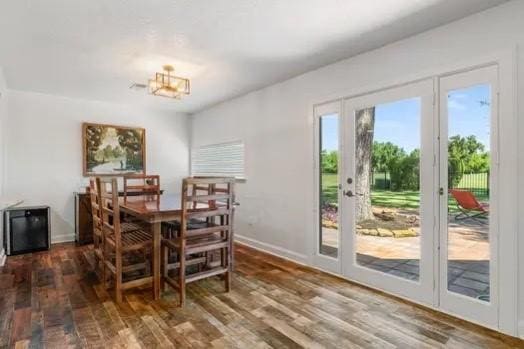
(133, 240)
(130, 226)
(198, 244)
(193, 224)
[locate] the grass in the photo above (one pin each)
(400, 199)
(393, 199)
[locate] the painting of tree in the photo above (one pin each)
(113, 150)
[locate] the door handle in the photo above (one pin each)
(350, 194)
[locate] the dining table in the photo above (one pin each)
(154, 209)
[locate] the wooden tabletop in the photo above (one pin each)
(152, 205)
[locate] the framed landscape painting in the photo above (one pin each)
(113, 150)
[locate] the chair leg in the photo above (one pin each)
(182, 274)
(223, 252)
(165, 262)
(95, 247)
(228, 264)
(104, 267)
(147, 267)
(118, 277)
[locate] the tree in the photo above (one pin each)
(478, 163)
(465, 155)
(108, 152)
(405, 171)
(329, 161)
(94, 137)
(131, 141)
(365, 124)
(118, 152)
(385, 155)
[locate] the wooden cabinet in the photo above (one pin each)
(83, 219)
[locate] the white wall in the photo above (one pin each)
(44, 150)
(277, 200)
(3, 118)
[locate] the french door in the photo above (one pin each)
(468, 193)
(407, 181)
(388, 200)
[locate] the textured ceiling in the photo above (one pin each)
(95, 49)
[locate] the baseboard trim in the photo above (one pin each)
(521, 329)
(56, 239)
(272, 249)
(3, 257)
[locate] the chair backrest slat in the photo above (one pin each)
(142, 184)
(95, 206)
(110, 207)
(207, 197)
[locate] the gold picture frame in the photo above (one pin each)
(111, 150)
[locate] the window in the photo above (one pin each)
(225, 159)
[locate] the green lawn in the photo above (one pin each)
(384, 198)
(400, 199)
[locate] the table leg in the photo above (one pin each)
(157, 227)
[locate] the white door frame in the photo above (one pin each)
(422, 290)
(322, 261)
(468, 307)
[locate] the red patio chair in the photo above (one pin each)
(469, 206)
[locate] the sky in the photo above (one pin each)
(399, 122)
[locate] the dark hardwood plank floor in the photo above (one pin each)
(53, 299)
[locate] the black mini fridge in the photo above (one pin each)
(26, 229)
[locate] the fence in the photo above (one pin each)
(380, 181)
(477, 183)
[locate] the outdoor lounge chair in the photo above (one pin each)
(469, 206)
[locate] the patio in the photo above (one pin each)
(468, 269)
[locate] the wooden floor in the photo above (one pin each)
(53, 300)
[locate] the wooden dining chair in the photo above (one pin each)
(141, 184)
(172, 229)
(119, 243)
(98, 238)
(97, 225)
(223, 188)
(205, 231)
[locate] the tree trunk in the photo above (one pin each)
(365, 123)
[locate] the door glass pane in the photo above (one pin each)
(469, 112)
(387, 199)
(329, 183)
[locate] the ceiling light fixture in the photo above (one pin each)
(167, 85)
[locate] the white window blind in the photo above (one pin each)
(225, 159)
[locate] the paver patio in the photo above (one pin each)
(468, 266)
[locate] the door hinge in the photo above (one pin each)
(441, 191)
